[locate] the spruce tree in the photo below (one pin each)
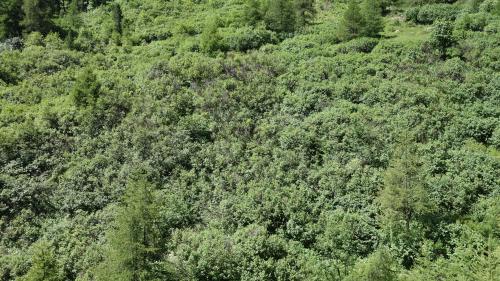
(11, 14)
(117, 18)
(86, 89)
(352, 23)
(72, 22)
(372, 15)
(280, 16)
(404, 197)
(210, 38)
(133, 241)
(45, 266)
(253, 12)
(38, 15)
(304, 12)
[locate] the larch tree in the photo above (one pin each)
(352, 22)
(134, 238)
(45, 266)
(372, 14)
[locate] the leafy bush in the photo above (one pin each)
(248, 38)
(361, 45)
(427, 14)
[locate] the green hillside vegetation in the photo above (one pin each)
(249, 140)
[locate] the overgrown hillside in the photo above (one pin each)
(249, 140)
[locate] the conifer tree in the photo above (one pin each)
(253, 12)
(72, 21)
(134, 239)
(280, 16)
(377, 267)
(352, 23)
(45, 266)
(10, 18)
(372, 15)
(117, 17)
(404, 197)
(405, 203)
(38, 15)
(304, 12)
(210, 38)
(86, 89)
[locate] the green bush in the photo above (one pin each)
(248, 38)
(427, 14)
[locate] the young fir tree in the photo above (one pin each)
(38, 15)
(352, 23)
(280, 16)
(11, 14)
(133, 242)
(253, 12)
(72, 22)
(45, 266)
(304, 12)
(405, 203)
(86, 89)
(379, 266)
(210, 38)
(117, 18)
(372, 18)
(404, 197)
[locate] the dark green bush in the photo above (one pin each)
(248, 38)
(427, 14)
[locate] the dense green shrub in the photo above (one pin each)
(427, 14)
(208, 141)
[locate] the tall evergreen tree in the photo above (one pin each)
(372, 15)
(86, 89)
(253, 11)
(304, 12)
(45, 266)
(38, 15)
(210, 38)
(352, 23)
(280, 16)
(134, 239)
(117, 17)
(11, 14)
(10, 17)
(72, 22)
(404, 197)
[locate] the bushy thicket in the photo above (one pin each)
(238, 140)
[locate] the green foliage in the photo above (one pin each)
(373, 23)
(379, 266)
(305, 11)
(210, 38)
(117, 17)
(352, 23)
(428, 14)
(404, 198)
(44, 266)
(86, 89)
(267, 151)
(364, 20)
(134, 238)
(38, 15)
(10, 18)
(442, 37)
(280, 16)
